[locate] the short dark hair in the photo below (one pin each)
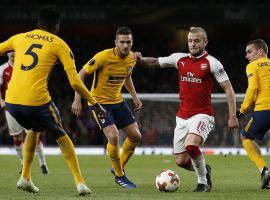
(48, 16)
(123, 31)
(259, 44)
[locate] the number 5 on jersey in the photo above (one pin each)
(34, 55)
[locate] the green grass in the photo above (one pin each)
(234, 177)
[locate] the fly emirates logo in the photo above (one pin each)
(190, 78)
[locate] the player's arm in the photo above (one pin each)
(150, 62)
(228, 89)
(251, 90)
(131, 89)
(7, 45)
(77, 103)
(2, 101)
(67, 59)
(169, 61)
(77, 84)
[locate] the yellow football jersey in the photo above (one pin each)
(258, 73)
(37, 52)
(110, 72)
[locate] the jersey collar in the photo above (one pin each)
(200, 56)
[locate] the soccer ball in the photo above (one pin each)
(167, 181)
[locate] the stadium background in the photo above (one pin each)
(159, 28)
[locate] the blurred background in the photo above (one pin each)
(159, 29)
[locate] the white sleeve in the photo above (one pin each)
(171, 61)
(217, 70)
(2, 67)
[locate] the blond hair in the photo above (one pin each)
(198, 29)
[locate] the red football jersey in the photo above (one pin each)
(5, 76)
(197, 77)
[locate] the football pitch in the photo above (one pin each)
(234, 177)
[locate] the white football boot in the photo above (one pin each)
(83, 189)
(25, 185)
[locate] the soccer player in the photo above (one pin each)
(27, 97)
(198, 72)
(112, 70)
(15, 129)
(257, 124)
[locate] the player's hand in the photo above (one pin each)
(138, 105)
(100, 111)
(136, 56)
(233, 122)
(239, 114)
(2, 103)
(76, 107)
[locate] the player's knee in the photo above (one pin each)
(57, 132)
(17, 140)
(113, 139)
(242, 138)
(193, 151)
(136, 138)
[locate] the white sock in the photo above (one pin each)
(19, 150)
(40, 153)
(200, 170)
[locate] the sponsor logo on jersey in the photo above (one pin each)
(221, 71)
(204, 66)
(116, 80)
(263, 64)
(190, 78)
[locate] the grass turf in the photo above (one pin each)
(234, 177)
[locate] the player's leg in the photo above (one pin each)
(125, 120)
(131, 142)
(255, 128)
(41, 157)
(113, 148)
(16, 131)
(50, 120)
(21, 114)
(30, 144)
(111, 132)
(199, 128)
(193, 143)
(18, 145)
(182, 158)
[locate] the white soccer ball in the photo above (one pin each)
(167, 181)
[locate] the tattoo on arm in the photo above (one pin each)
(149, 62)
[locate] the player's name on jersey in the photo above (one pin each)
(40, 37)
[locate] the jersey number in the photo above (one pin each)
(30, 52)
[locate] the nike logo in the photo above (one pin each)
(7, 73)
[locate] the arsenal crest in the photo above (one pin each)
(204, 66)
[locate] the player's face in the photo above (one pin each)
(123, 44)
(196, 43)
(252, 53)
